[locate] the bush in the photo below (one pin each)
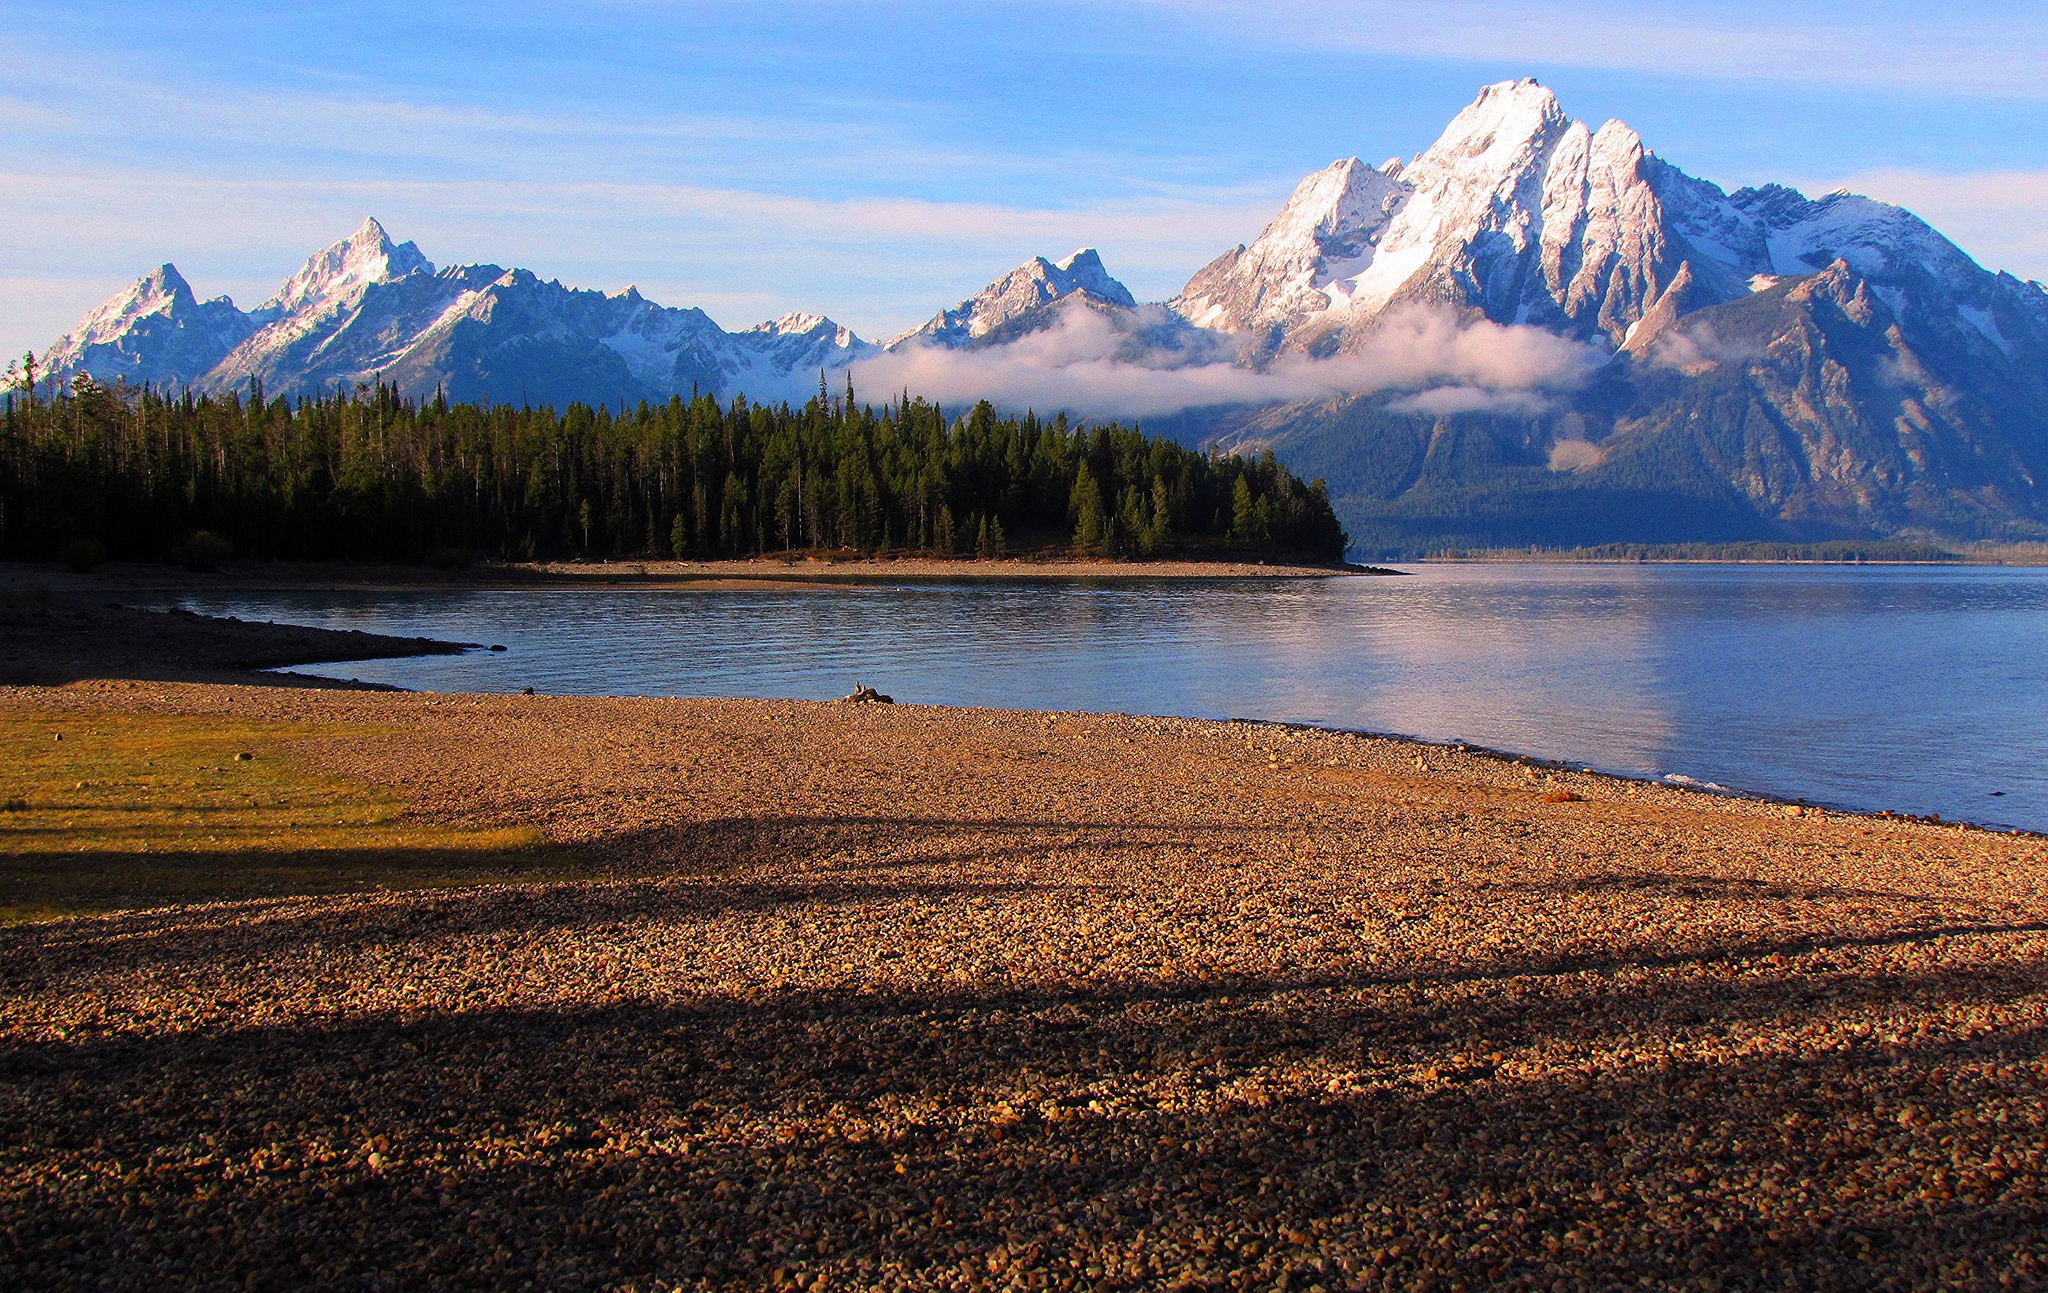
(83, 555)
(203, 550)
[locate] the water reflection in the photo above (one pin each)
(1909, 688)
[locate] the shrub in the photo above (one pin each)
(203, 550)
(83, 555)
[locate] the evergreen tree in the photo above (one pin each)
(1086, 507)
(1242, 517)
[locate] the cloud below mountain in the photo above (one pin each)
(1085, 365)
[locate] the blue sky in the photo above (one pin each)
(875, 161)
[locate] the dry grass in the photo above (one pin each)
(114, 811)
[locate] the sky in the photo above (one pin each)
(877, 161)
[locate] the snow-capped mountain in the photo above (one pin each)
(1527, 216)
(1755, 363)
(1017, 302)
(1780, 366)
(1331, 223)
(156, 332)
(368, 309)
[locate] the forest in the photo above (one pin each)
(146, 475)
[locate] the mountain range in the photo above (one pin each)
(1533, 332)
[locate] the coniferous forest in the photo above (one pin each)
(376, 477)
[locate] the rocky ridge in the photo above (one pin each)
(367, 309)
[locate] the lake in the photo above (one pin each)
(1912, 688)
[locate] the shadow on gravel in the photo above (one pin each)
(1280, 1134)
(44, 885)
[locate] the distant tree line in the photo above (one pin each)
(374, 476)
(1850, 551)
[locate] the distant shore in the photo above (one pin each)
(116, 578)
(1877, 553)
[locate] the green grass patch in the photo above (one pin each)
(149, 810)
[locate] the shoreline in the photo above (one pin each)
(115, 578)
(185, 646)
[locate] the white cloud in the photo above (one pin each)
(1078, 366)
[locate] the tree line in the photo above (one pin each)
(375, 476)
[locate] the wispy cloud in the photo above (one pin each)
(1949, 49)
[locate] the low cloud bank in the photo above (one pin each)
(1088, 366)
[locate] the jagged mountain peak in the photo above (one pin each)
(796, 323)
(163, 281)
(1516, 210)
(1025, 291)
(1081, 270)
(163, 292)
(366, 256)
(811, 329)
(1506, 117)
(155, 330)
(1330, 220)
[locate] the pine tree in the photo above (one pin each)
(1242, 521)
(1085, 505)
(1159, 536)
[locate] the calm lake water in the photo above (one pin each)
(1918, 689)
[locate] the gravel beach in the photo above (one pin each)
(898, 997)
